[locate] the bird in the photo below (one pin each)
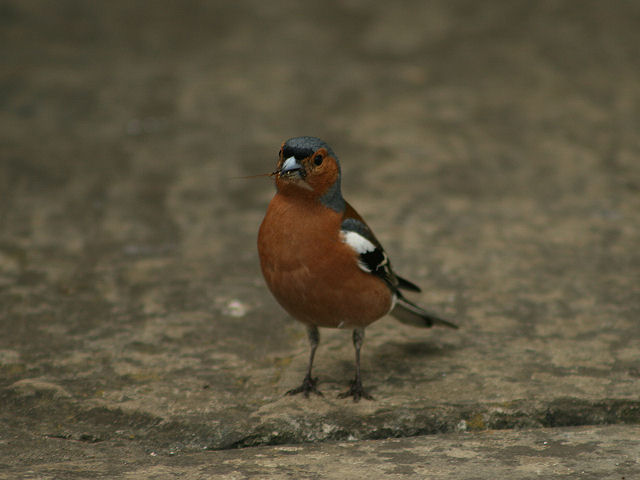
(322, 262)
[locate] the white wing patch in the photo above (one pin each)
(359, 244)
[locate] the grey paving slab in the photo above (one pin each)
(586, 453)
(492, 147)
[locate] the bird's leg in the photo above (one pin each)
(309, 384)
(356, 391)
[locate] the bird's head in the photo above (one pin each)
(307, 166)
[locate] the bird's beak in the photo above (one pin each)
(292, 172)
(289, 165)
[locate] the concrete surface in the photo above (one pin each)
(586, 453)
(492, 146)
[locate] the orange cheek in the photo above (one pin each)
(323, 178)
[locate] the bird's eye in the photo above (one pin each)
(318, 159)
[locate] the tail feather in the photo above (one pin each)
(411, 314)
(407, 285)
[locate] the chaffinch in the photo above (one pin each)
(322, 262)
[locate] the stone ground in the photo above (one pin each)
(493, 147)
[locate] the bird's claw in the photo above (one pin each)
(356, 391)
(308, 385)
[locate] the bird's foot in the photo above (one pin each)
(308, 385)
(356, 391)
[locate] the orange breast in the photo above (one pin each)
(311, 272)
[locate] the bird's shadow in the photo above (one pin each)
(404, 357)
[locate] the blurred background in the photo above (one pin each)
(493, 147)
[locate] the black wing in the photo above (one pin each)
(373, 259)
(371, 256)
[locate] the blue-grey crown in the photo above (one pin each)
(303, 147)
